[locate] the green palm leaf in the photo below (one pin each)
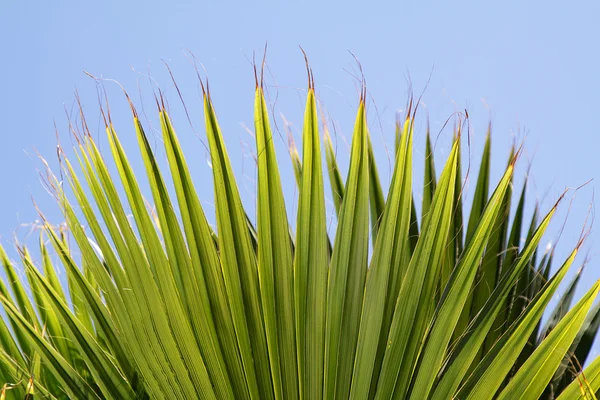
(136, 296)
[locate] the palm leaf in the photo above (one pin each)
(136, 295)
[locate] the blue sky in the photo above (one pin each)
(532, 67)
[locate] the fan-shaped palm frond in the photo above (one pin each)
(160, 305)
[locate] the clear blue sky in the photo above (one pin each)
(532, 66)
